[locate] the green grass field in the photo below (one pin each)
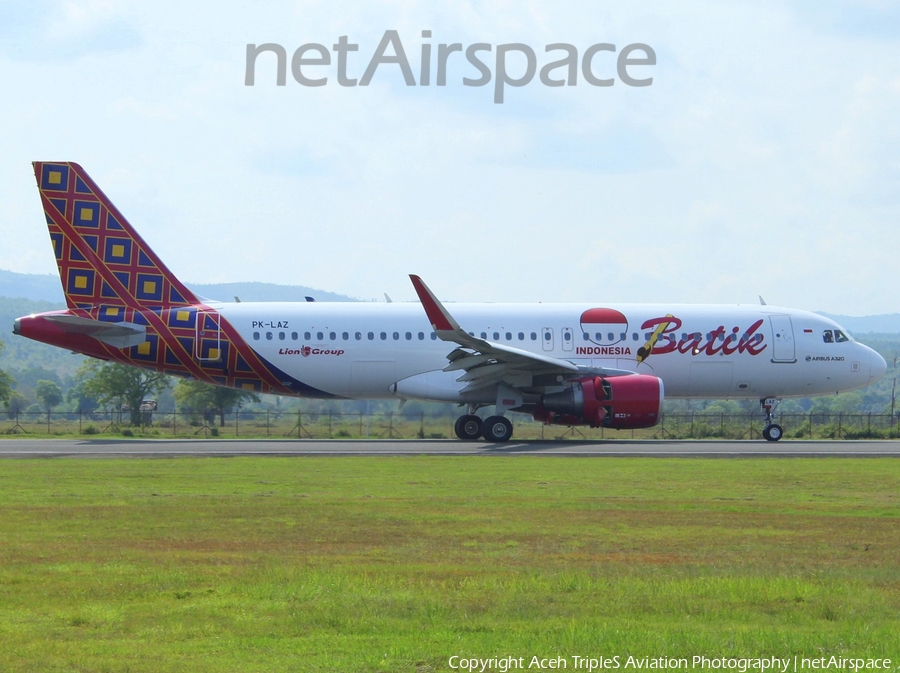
(397, 564)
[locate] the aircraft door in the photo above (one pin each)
(208, 344)
(783, 349)
(568, 339)
(547, 338)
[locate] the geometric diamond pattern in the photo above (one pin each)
(110, 274)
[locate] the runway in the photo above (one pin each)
(165, 448)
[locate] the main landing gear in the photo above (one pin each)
(494, 428)
(772, 432)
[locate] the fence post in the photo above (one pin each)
(692, 425)
(237, 413)
(48, 421)
(174, 422)
(329, 424)
(79, 421)
(267, 423)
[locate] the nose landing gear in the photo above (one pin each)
(772, 432)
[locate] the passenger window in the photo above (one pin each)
(383, 336)
(421, 336)
(294, 336)
(320, 336)
(281, 336)
(534, 336)
(358, 336)
(396, 335)
(332, 336)
(521, 336)
(547, 336)
(434, 336)
(634, 336)
(256, 336)
(598, 336)
(567, 336)
(509, 336)
(496, 336)
(306, 336)
(408, 336)
(611, 336)
(268, 336)
(345, 336)
(371, 336)
(622, 336)
(484, 335)
(840, 337)
(828, 336)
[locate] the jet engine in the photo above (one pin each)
(620, 402)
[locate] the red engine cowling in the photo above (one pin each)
(621, 402)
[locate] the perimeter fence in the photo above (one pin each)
(394, 425)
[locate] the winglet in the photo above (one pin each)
(438, 316)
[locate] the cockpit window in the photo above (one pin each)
(832, 336)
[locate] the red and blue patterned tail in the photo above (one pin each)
(101, 258)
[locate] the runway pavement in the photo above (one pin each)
(163, 448)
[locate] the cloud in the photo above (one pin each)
(764, 152)
(44, 30)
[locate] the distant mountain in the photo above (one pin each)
(39, 287)
(886, 323)
(30, 286)
(47, 288)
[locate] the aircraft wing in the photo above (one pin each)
(486, 363)
(115, 334)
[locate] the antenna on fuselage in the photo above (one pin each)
(761, 300)
(388, 299)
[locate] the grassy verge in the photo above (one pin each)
(397, 564)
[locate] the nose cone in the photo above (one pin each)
(877, 366)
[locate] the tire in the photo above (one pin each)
(773, 433)
(468, 427)
(497, 429)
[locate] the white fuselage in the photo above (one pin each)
(368, 350)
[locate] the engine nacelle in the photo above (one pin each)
(620, 402)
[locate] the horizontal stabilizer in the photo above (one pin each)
(115, 334)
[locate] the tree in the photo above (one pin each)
(16, 404)
(122, 385)
(203, 398)
(48, 393)
(6, 381)
(78, 398)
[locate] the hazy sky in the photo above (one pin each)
(764, 158)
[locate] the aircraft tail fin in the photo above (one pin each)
(101, 258)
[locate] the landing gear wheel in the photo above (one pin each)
(468, 427)
(772, 433)
(497, 429)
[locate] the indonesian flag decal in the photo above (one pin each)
(604, 326)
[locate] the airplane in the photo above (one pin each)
(599, 365)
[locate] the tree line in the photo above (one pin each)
(97, 385)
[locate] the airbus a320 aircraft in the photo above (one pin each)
(600, 365)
